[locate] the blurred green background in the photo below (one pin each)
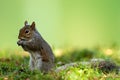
(77, 23)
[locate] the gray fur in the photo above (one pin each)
(41, 55)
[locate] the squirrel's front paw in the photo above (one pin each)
(20, 42)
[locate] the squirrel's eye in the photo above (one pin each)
(26, 31)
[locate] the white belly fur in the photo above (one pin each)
(35, 61)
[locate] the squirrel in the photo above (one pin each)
(41, 55)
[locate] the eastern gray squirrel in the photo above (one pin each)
(41, 55)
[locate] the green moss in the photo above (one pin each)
(15, 67)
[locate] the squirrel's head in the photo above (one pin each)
(26, 32)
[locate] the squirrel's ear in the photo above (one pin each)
(33, 25)
(26, 23)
